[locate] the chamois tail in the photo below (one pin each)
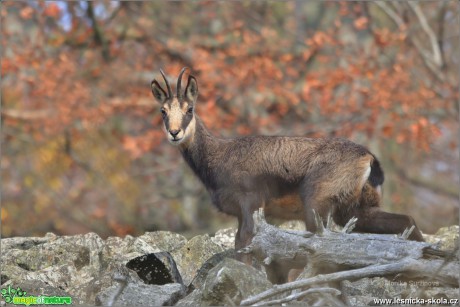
(376, 176)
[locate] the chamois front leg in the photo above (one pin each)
(248, 204)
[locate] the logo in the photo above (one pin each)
(19, 297)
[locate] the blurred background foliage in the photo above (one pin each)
(82, 144)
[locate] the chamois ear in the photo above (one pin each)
(191, 91)
(158, 92)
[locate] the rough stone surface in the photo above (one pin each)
(377, 287)
(195, 298)
(200, 277)
(225, 238)
(441, 292)
(227, 284)
(190, 257)
(164, 240)
(81, 265)
(92, 270)
(143, 295)
(446, 237)
(363, 292)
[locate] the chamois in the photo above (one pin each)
(288, 176)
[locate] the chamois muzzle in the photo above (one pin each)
(174, 133)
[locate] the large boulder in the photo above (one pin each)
(140, 294)
(445, 237)
(227, 284)
(84, 266)
(192, 255)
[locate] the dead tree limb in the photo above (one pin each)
(348, 256)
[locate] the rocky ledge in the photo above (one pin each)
(164, 268)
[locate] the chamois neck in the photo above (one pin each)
(200, 137)
(201, 149)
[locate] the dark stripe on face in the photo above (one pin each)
(186, 120)
(166, 121)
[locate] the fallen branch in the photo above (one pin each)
(339, 276)
(354, 255)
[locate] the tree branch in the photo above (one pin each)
(430, 185)
(405, 265)
(27, 115)
(426, 57)
(436, 56)
(98, 34)
(390, 13)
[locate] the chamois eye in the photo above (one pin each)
(190, 110)
(163, 113)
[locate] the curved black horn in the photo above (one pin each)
(179, 81)
(167, 83)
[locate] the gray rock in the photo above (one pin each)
(227, 284)
(195, 298)
(139, 294)
(25, 243)
(225, 238)
(442, 293)
(191, 257)
(164, 241)
(81, 265)
(446, 237)
(60, 262)
(125, 249)
(200, 277)
(364, 291)
(105, 280)
(378, 287)
(360, 300)
(34, 255)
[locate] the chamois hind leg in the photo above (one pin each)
(377, 221)
(314, 197)
(372, 219)
(322, 206)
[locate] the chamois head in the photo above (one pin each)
(177, 110)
